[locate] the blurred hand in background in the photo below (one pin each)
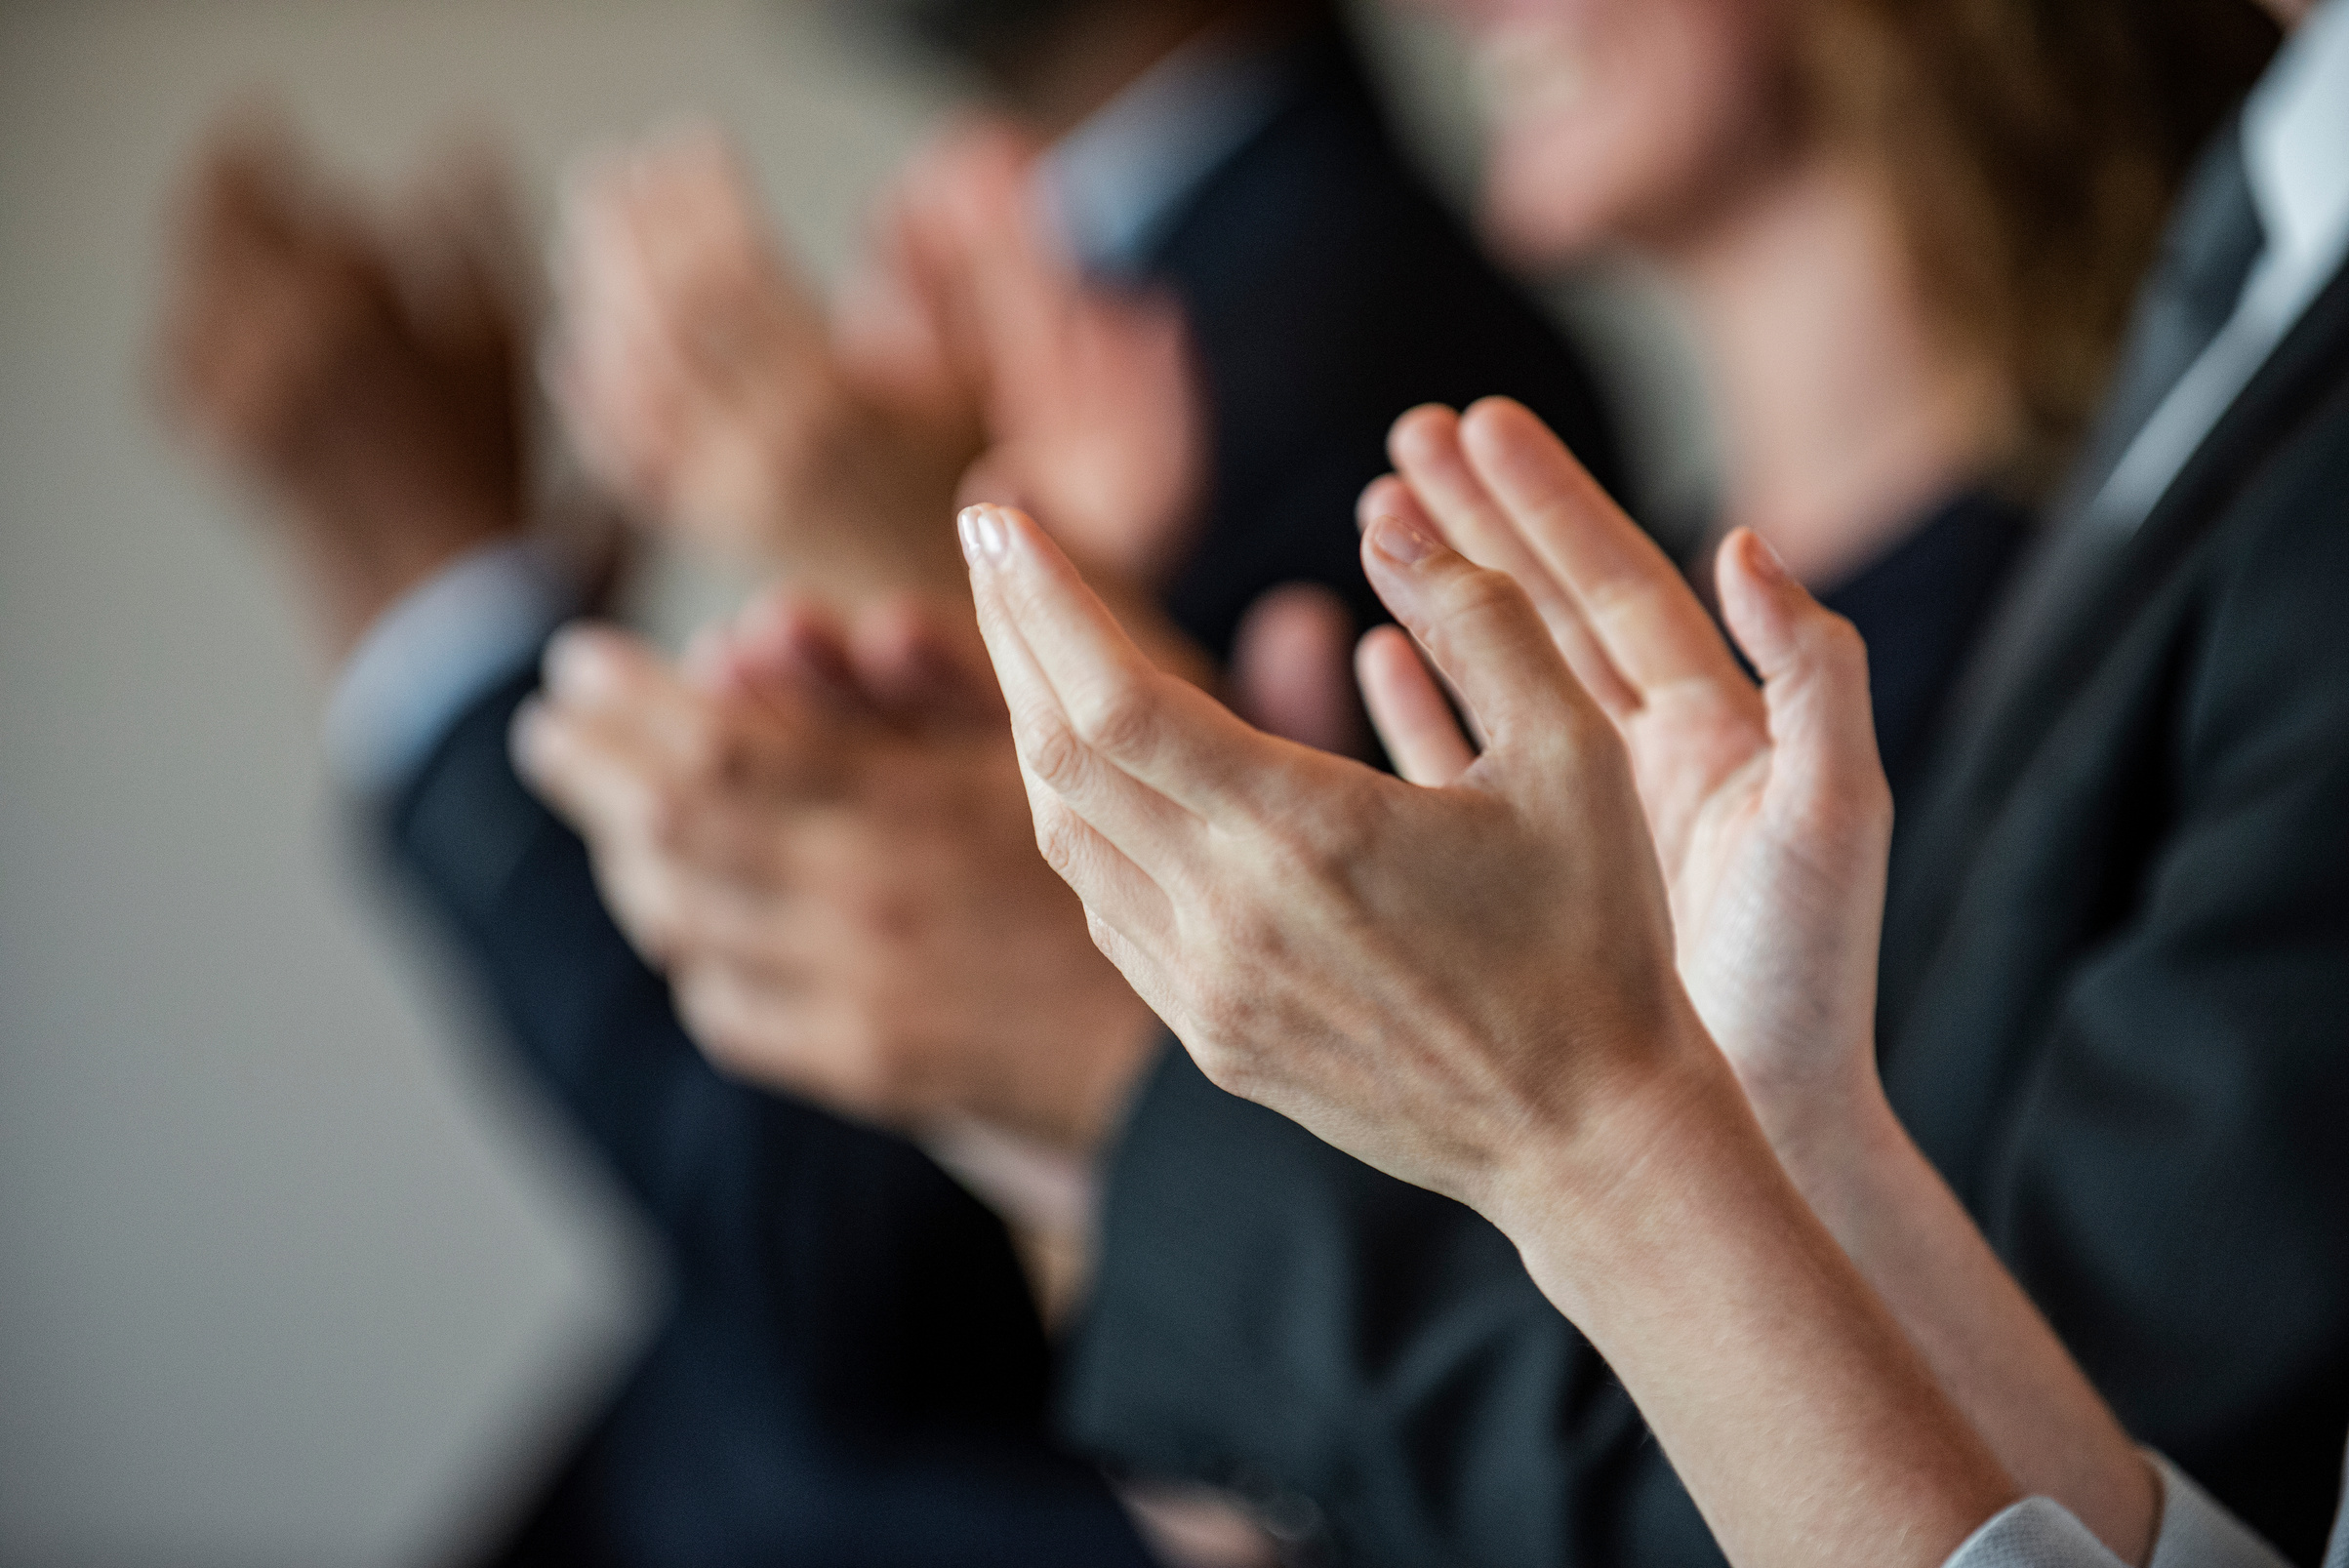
(819, 831)
(706, 384)
(363, 370)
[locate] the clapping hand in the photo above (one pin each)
(1465, 984)
(699, 381)
(816, 831)
(359, 368)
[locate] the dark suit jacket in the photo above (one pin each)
(1327, 291)
(852, 1372)
(2114, 964)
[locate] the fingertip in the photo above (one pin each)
(1421, 430)
(1761, 559)
(582, 663)
(1005, 536)
(1379, 647)
(984, 535)
(1401, 542)
(527, 739)
(1494, 425)
(1758, 594)
(1382, 497)
(1496, 408)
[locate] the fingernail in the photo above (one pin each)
(1401, 542)
(1766, 562)
(983, 535)
(577, 665)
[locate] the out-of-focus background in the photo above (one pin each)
(288, 1274)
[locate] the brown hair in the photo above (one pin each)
(2034, 147)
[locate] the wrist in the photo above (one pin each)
(1836, 1140)
(1579, 1197)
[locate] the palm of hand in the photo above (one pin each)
(1735, 882)
(1772, 852)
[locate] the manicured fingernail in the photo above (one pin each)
(1401, 541)
(578, 665)
(983, 535)
(1767, 564)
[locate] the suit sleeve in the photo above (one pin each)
(2171, 1181)
(1369, 1361)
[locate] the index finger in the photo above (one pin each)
(1162, 733)
(1631, 594)
(1426, 446)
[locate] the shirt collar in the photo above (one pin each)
(2295, 141)
(1119, 179)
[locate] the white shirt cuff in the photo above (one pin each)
(2197, 1531)
(434, 652)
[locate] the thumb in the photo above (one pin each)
(1484, 635)
(1289, 675)
(1815, 678)
(923, 662)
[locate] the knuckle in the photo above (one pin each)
(1121, 721)
(1243, 928)
(1235, 1071)
(1839, 645)
(1476, 591)
(1057, 840)
(1055, 755)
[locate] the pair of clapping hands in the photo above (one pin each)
(1650, 868)
(1608, 978)
(369, 370)
(370, 367)
(703, 380)
(814, 824)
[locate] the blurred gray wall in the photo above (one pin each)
(288, 1272)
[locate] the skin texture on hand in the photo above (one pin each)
(1471, 986)
(840, 885)
(361, 372)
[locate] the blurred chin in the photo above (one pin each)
(1550, 197)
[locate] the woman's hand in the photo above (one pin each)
(1771, 820)
(1460, 984)
(1769, 810)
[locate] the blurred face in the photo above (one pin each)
(1622, 121)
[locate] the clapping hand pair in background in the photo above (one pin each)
(370, 372)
